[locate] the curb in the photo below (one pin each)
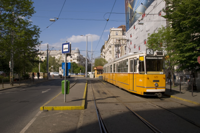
(182, 99)
(22, 85)
(49, 108)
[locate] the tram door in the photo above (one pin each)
(132, 76)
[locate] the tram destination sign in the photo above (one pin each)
(149, 51)
(154, 57)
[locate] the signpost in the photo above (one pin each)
(66, 49)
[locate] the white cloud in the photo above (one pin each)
(106, 30)
(77, 39)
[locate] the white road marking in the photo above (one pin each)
(46, 91)
(31, 122)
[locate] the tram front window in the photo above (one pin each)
(154, 64)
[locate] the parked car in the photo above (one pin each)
(54, 73)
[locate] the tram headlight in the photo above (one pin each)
(156, 84)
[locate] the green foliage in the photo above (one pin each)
(99, 62)
(18, 35)
(184, 19)
(5, 79)
(75, 68)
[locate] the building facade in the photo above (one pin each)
(115, 46)
(143, 17)
(75, 56)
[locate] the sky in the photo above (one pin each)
(78, 19)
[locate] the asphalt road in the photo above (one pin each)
(19, 105)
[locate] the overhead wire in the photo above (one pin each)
(57, 17)
(105, 24)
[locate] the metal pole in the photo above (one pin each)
(91, 56)
(11, 69)
(86, 57)
(47, 61)
(65, 78)
(39, 62)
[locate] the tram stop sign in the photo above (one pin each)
(198, 59)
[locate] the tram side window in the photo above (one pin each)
(135, 65)
(111, 68)
(131, 66)
(141, 66)
(125, 65)
(114, 68)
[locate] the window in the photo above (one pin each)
(116, 33)
(130, 42)
(154, 64)
(122, 66)
(130, 35)
(141, 66)
(134, 45)
(135, 65)
(138, 47)
(131, 66)
(111, 68)
(114, 68)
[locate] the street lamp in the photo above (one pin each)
(86, 55)
(48, 59)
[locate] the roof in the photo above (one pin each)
(98, 68)
(123, 27)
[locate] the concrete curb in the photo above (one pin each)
(23, 85)
(182, 99)
(49, 108)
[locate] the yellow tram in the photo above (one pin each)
(137, 73)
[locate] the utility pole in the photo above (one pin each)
(86, 57)
(91, 56)
(12, 62)
(47, 61)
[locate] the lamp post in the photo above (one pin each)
(86, 55)
(48, 60)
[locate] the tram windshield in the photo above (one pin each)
(154, 64)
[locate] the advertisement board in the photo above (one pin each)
(134, 9)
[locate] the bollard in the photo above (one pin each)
(170, 85)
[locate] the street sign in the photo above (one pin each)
(198, 59)
(66, 48)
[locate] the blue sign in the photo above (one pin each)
(68, 67)
(66, 48)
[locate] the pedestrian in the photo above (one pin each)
(38, 75)
(33, 76)
(169, 77)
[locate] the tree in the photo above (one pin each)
(75, 68)
(163, 40)
(183, 16)
(99, 62)
(17, 34)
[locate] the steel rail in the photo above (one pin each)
(100, 120)
(148, 124)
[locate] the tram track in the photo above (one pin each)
(163, 108)
(148, 124)
(102, 126)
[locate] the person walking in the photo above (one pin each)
(169, 77)
(33, 75)
(38, 75)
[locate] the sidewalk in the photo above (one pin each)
(75, 100)
(185, 94)
(20, 83)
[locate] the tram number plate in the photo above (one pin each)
(155, 80)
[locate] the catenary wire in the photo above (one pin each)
(57, 17)
(105, 24)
